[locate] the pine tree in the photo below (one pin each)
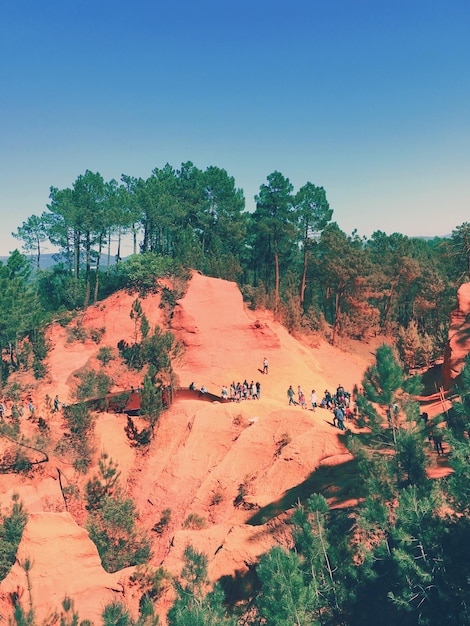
(196, 604)
(286, 599)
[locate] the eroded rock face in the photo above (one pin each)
(458, 344)
(201, 457)
(64, 562)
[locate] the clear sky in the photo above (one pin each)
(367, 98)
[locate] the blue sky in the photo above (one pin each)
(369, 99)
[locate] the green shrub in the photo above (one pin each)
(217, 498)
(152, 582)
(102, 485)
(96, 334)
(78, 442)
(76, 333)
(164, 521)
(282, 443)
(12, 525)
(194, 522)
(105, 355)
(113, 530)
(92, 384)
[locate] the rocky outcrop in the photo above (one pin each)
(226, 472)
(63, 562)
(458, 344)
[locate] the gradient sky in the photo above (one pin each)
(369, 99)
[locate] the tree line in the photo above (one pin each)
(287, 254)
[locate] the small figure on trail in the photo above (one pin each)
(429, 431)
(424, 416)
(132, 389)
(192, 386)
(437, 437)
(328, 399)
(338, 414)
(31, 408)
(224, 392)
(265, 365)
(290, 395)
(3, 410)
(313, 399)
(56, 404)
(245, 390)
(355, 392)
(258, 390)
(300, 392)
(202, 391)
(302, 400)
(340, 395)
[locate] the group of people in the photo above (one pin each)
(235, 392)
(242, 391)
(338, 402)
(341, 398)
(301, 399)
(27, 407)
(18, 410)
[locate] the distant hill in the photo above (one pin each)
(49, 260)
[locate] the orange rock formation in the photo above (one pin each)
(201, 454)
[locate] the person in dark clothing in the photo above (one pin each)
(338, 417)
(328, 399)
(437, 439)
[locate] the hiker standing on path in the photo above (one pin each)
(437, 437)
(313, 399)
(338, 416)
(290, 395)
(31, 408)
(265, 365)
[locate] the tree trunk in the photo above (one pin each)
(76, 262)
(337, 317)
(108, 261)
(97, 276)
(86, 301)
(134, 233)
(38, 255)
(388, 306)
(118, 253)
(304, 277)
(276, 269)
